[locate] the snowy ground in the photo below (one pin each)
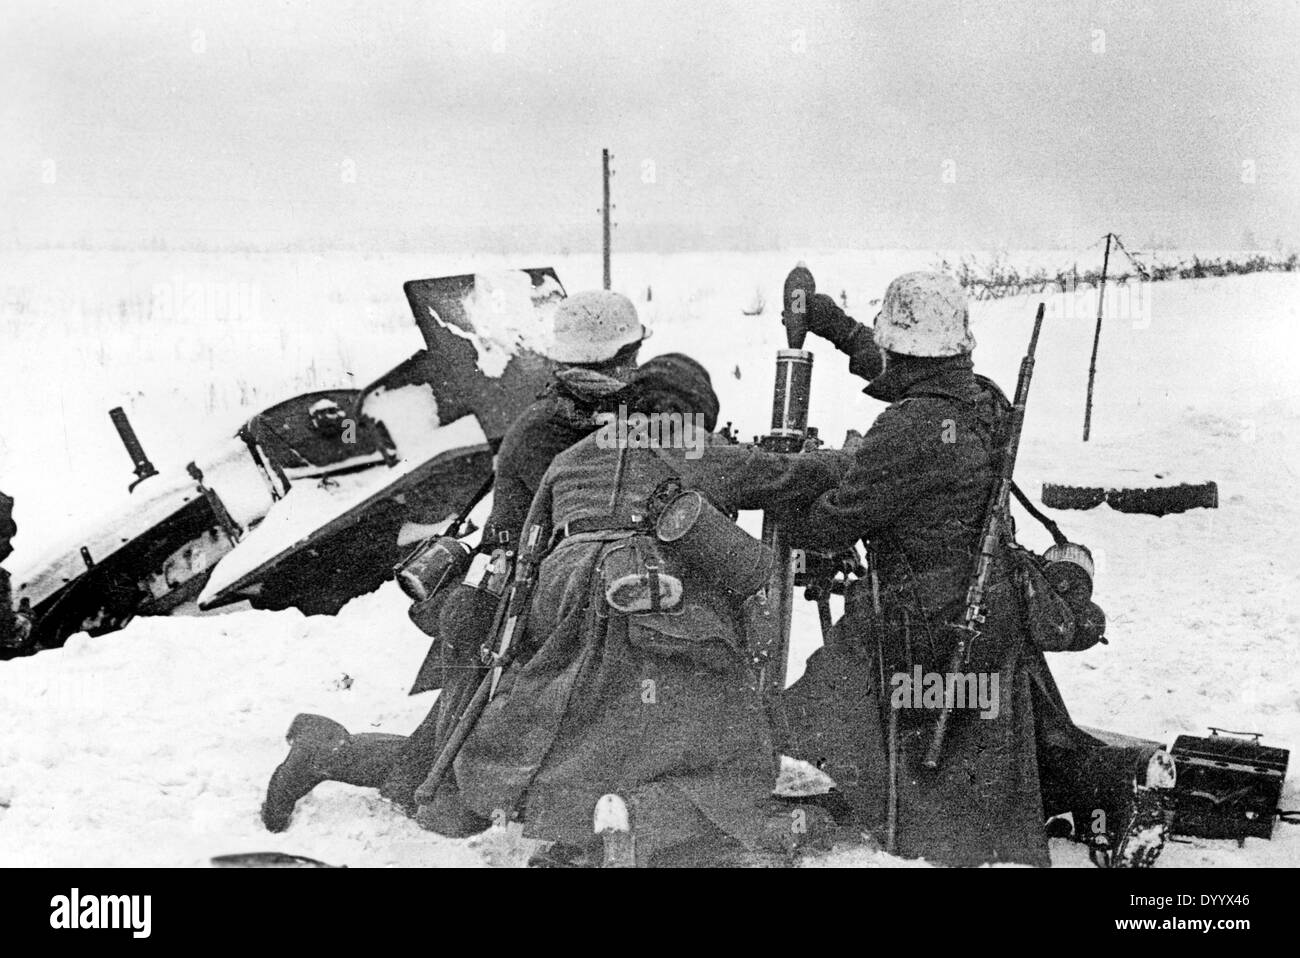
(152, 746)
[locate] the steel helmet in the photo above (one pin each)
(924, 314)
(592, 326)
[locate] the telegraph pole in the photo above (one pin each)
(1096, 339)
(604, 211)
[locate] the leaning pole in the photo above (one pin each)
(1096, 340)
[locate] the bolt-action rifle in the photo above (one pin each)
(500, 650)
(992, 538)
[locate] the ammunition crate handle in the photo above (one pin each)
(1215, 732)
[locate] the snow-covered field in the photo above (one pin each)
(152, 746)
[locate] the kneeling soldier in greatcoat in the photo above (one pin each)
(636, 679)
(596, 338)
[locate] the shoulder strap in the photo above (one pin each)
(668, 461)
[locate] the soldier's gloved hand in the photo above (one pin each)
(825, 318)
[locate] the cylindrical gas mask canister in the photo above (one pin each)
(712, 546)
(436, 562)
(1069, 570)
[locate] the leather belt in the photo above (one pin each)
(598, 524)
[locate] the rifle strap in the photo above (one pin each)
(1057, 535)
(457, 527)
(1004, 406)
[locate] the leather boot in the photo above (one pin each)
(322, 750)
(447, 814)
(1122, 804)
(1147, 815)
(411, 766)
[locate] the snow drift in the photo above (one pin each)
(152, 746)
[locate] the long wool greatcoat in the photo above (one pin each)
(564, 414)
(659, 707)
(917, 490)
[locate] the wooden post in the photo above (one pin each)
(1096, 339)
(604, 211)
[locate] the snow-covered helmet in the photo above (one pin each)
(592, 327)
(924, 314)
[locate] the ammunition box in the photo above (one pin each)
(1228, 786)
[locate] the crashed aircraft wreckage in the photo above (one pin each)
(313, 500)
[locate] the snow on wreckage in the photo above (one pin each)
(312, 501)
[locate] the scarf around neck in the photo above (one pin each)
(906, 376)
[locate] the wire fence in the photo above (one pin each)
(997, 278)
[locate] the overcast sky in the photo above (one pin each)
(951, 123)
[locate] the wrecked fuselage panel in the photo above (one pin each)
(313, 500)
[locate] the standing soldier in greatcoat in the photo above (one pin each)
(915, 492)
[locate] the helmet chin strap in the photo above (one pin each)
(620, 365)
(884, 353)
